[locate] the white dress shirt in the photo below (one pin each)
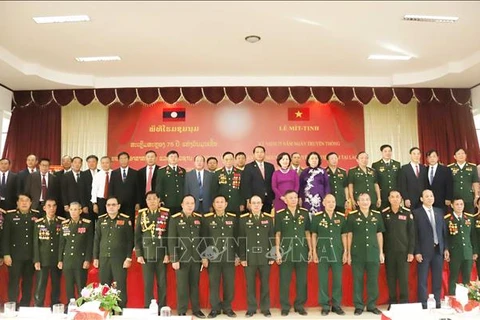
(98, 184)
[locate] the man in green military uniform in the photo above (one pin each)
(226, 182)
(465, 180)
(170, 183)
(293, 251)
(75, 250)
(399, 244)
(112, 247)
(18, 248)
(184, 241)
(462, 244)
(329, 243)
(337, 177)
(365, 252)
(220, 233)
(476, 219)
(363, 179)
(387, 171)
(151, 247)
(255, 239)
(46, 239)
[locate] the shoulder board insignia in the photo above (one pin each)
(354, 211)
(244, 215)
(375, 211)
(86, 220)
(352, 168)
(142, 210)
(469, 214)
(197, 214)
(472, 164)
(231, 214)
(206, 215)
(39, 220)
(281, 210)
(451, 165)
(447, 216)
(36, 211)
(66, 221)
(342, 169)
(340, 213)
(60, 218)
(102, 216)
(124, 215)
(303, 209)
(164, 209)
(163, 167)
(177, 214)
(268, 214)
(12, 211)
(406, 209)
(318, 213)
(386, 209)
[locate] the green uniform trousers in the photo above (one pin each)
(150, 270)
(457, 266)
(286, 269)
(188, 276)
(74, 277)
(251, 277)
(323, 296)
(397, 269)
(226, 272)
(110, 270)
(42, 276)
(20, 269)
(358, 270)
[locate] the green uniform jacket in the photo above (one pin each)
(220, 234)
(17, 238)
(170, 186)
(338, 183)
(113, 237)
(477, 229)
(151, 234)
(463, 179)
(387, 176)
(228, 185)
(255, 239)
(293, 241)
(75, 243)
(329, 235)
(46, 240)
(364, 229)
(363, 182)
(399, 236)
(184, 238)
(462, 238)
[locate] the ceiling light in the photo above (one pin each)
(252, 38)
(62, 19)
(425, 18)
(387, 57)
(96, 59)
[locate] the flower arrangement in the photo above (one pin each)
(473, 304)
(107, 296)
(474, 290)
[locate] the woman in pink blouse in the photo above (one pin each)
(283, 179)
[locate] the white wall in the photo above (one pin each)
(476, 105)
(5, 102)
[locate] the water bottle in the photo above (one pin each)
(431, 303)
(71, 309)
(153, 309)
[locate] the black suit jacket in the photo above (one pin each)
(33, 187)
(126, 192)
(424, 232)
(22, 178)
(11, 191)
(411, 187)
(142, 183)
(442, 185)
(87, 181)
(254, 184)
(72, 191)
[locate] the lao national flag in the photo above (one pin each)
(298, 114)
(174, 114)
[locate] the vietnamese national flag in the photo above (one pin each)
(174, 114)
(298, 114)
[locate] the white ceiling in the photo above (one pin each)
(202, 44)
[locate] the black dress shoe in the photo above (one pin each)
(375, 311)
(267, 313)
(284, 313)
(301, 312)
(212, 314)
(358, 312)
(182, 314)
(338, 310)
(324, 312)
(199, 314)
(230, 313)
(250, 314)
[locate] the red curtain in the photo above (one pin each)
(446, 126)
(35, 130)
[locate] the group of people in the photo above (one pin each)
(251, 215)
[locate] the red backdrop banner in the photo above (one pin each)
(210, 130)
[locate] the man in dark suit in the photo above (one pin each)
(87, 181)
(198, 183)
(440, 181)
(257, 179)
(413, 179)
(67, 167)
(124, 187)
(72, 186)
(42, 185)
(430, 246)
(9, 187)
(32, 163)
(147, 176)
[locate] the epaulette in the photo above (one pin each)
(268, 214)
(163, 166)
(102, 216)
(318, 213)
(354, 211)
(386, 209)
(164, 209)
(39, 220)
(303, 209)
(197, 214)
(447, 216)
(34, 210)
(142, 210)
(353, 168)
(86, 220)
(375, 211)
(473, 164)
(60, 218)
(341, 169)
(124, 215)
(340, 213)
(406, 209)
(231, 214)
(451, 164)
(176, 215)
(12, 211)
(210, 214)
(281, 210)
(244, 215)
(476, 214)
(469, 214)
(66, 221)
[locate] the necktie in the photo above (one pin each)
(44, 187)
(257, 216)
(124, 175)
(432, 222)
(3, 186)
(149, 179)
(431, 175)
(417, 170)
(31, 170)
(78, 176)
(262, 169)
(200, 185)
(105, 188)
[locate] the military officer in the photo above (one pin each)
(465, 180)
(220, 233)
(150, 247)
(112, 247)
(75, 250)
(17, 245)
(337, 177)
(255, 238)
(399, 244)
(477, 234)
(363, 179)
(387, 171)
(365, 252)
(329, 243)
(226, 182)
(293, 251)
(46, 238)
(184, 239)
(462, 243)
(170, 183)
